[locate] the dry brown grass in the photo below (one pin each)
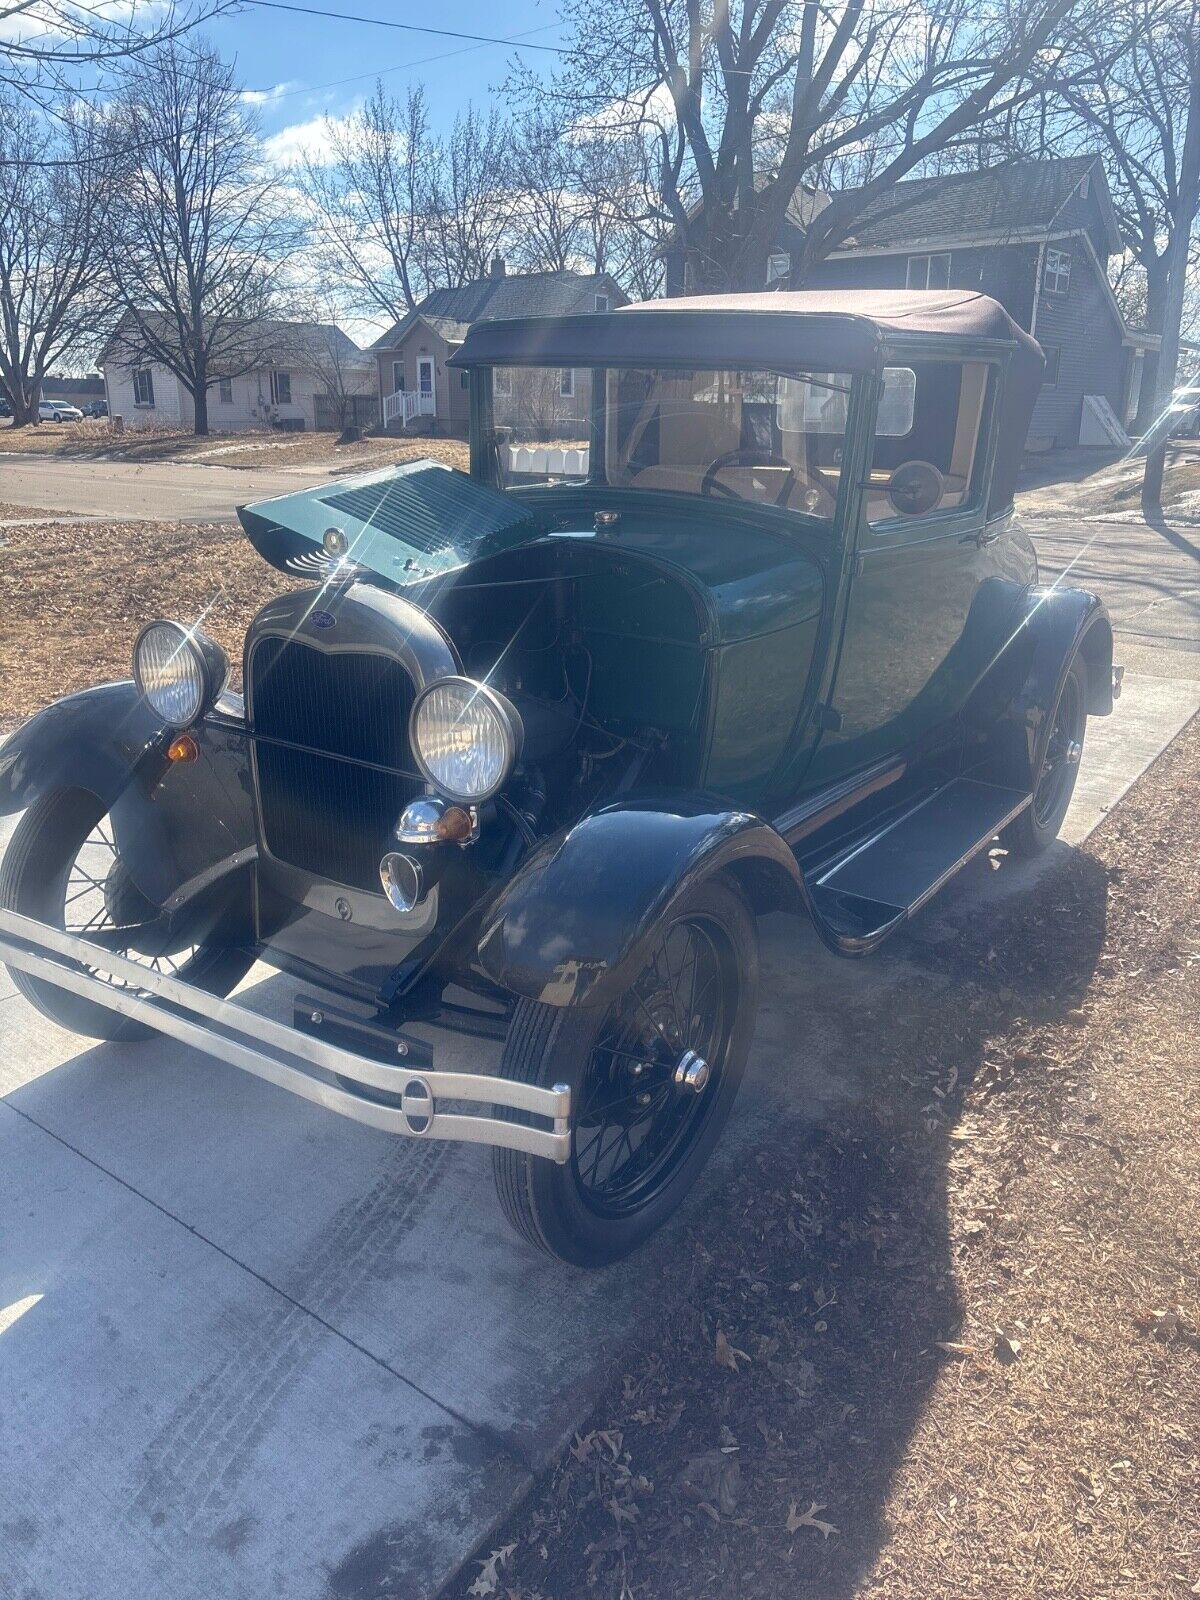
(96, 439)
(968, 1311)
(78, 592)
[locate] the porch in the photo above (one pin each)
(406, 405)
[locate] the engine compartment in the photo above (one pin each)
(601, 651)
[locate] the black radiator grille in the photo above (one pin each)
(323, 809)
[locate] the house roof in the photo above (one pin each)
(450, 312)
(1019, 198)
(273, 337)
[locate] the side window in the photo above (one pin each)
(1056, 279)
(1053, 354)
(928, 272)
(225, 391)
(933, 464)
(143, 387)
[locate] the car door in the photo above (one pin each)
(908, 647)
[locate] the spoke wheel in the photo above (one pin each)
(653, 1074)
(1063, 749)
(637, 1111)
(64, 867)
(1037, 826)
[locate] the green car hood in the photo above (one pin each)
(405, 524)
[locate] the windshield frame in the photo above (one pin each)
(485, 463)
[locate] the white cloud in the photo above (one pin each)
(652, 108)
(305, 141)
(264, 97)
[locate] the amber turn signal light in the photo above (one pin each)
(184, 748)
(455, 825)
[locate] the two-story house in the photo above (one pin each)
(1035, 235)
(418, 389)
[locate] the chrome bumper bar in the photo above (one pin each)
(286, 1057)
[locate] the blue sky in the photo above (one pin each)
(301, 63)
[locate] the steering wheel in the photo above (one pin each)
(710, 483)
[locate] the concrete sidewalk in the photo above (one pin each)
(250, 1350)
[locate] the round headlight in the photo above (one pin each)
(465, 738)
(180, 671)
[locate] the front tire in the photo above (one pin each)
(62, 867)
(643, 1124)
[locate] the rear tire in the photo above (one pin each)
(591, 1216)
(38, 879)
(1037, 826)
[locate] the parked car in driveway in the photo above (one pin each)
(58, 411)
(1185, 412)
(96, 408)
(6, 409)
(535, 747)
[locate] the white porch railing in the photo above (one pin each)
(406, 404)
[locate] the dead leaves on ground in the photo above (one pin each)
(809, 1519)
(488, 1580)
(725, 1354)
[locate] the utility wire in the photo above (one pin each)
(405, 27)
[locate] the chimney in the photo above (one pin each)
(498, 267)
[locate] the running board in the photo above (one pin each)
(287, 1057)
(886, 878)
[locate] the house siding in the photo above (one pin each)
(250, 407)
(1006, 272)
(1083, 327)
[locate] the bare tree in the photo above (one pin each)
(1133, 96)
(744, 101)
(365, 202)
(199, 239)
(54, 197)
(465, 201)
(45, 43)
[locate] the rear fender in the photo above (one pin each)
(1012, 707)
(572, 924)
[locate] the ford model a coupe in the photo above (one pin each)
(730, 615)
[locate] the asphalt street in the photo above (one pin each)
(135, 491)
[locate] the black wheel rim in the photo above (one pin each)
(1061, 754)
(100, 904)
(638, 1117)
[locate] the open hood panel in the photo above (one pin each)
(405, 524)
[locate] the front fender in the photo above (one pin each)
(95, 740)
(182, 828)
(572, 923)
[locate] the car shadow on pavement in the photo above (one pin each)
(830, 1261)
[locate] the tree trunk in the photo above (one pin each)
(1187, 205)
(1155, 306)
(201, 408)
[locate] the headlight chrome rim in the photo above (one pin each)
(180, 701)
(506, 719)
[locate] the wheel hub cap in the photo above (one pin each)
(692, 1072)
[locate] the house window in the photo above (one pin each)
(464, 380)
(281, 388)
(566, 383)
(1056, 278)
(225, 391)
(928, 272)
(397, 377)
(601, 302)
(502, 383)
(1050, 377)
(779, 266)
(143, 387)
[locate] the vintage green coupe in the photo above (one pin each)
(730, 615)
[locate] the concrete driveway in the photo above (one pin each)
(248, 1350)
(135, 491)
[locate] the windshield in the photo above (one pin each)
(768, 437)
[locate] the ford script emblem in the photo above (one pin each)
(324, 619)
